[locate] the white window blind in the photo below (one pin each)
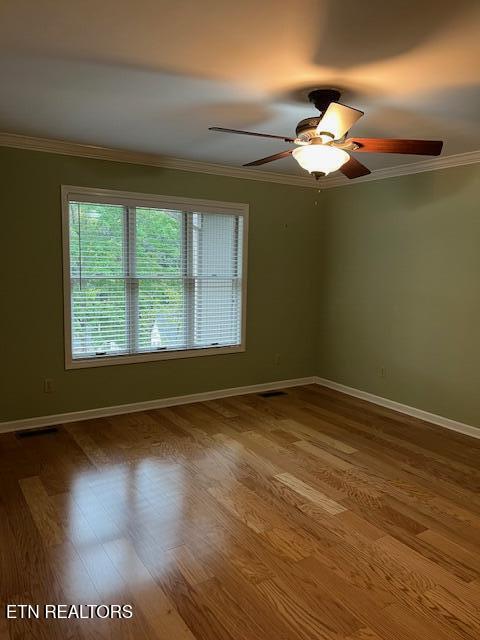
(152, 280)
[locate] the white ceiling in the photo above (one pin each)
(152, 75)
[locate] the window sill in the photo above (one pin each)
(109, 361)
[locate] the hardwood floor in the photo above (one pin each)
(311, 515)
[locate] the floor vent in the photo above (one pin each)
(272, 394)
(30, 433)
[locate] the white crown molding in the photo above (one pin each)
(64, 147)
(102, 412)
(426, 416)
(433, 164)
(133, 157)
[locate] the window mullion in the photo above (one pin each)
(131, 280)
(189, 281)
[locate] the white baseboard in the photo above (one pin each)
(446, 423)
(102, 412)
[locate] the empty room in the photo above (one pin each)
(240, 340)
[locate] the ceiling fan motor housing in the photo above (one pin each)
(306, 128)
(321, 98)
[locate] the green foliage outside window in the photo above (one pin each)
(98, 258)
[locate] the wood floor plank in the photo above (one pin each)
(469, 592)
(332, 442)
(416, 626)
(364, 634)
(359, 525)
(304, 621)
(42, 510)
(244, 505)
(154, 604)
(468, 560)
(445, 606)
(234, 605)
(303, 489)
(240, 554)
(188, 565)
(292, 543)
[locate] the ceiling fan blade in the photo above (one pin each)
(393, 145)
(277, 156)
(338, 119)
(354, 169)
(251, 133)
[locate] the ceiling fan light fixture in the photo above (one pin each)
(319, 158)
(323, 142)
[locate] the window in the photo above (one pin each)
(151, 277)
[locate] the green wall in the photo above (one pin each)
(382, 275)
(281, 287)
(400, 289)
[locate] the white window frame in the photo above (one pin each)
(126, 198)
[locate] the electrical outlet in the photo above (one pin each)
(276, 359)
(383, 372)
(48, 385)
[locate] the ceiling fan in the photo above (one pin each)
(322, 145)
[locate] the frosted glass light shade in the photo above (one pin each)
(320, 158)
